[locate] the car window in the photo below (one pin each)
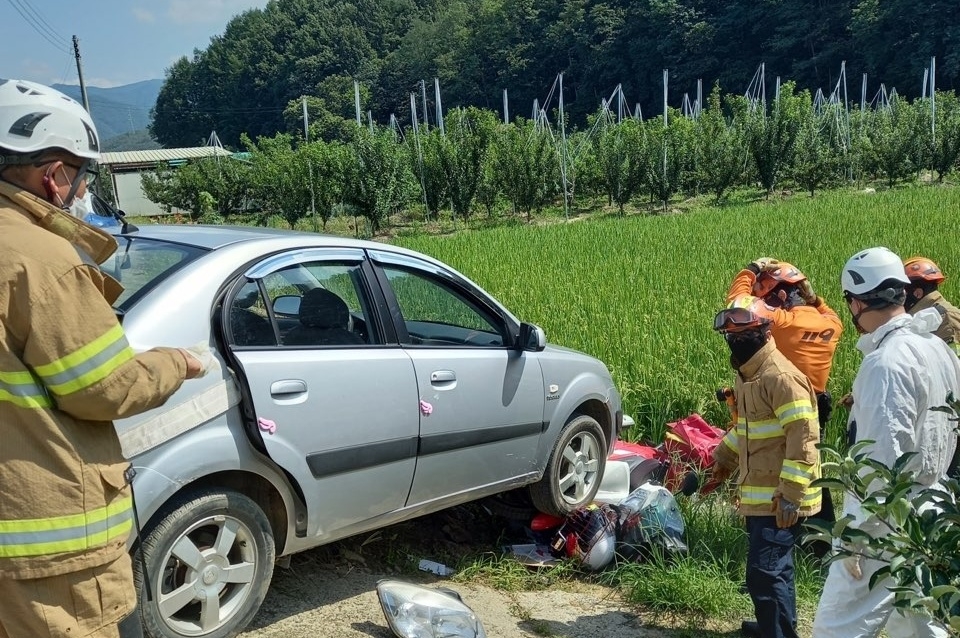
(436, 313)
(140, 264)
(249, 321)
(320, 304)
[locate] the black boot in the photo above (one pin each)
(750, 629)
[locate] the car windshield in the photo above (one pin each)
(140, 264)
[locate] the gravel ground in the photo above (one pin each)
(330, 591)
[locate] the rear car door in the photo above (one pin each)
(336, 407)
(482, 401)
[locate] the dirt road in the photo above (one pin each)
(330, 592)
(320, 603)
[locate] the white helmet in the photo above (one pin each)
(34, 118)
(874, 273)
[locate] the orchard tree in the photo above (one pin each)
(619, 149)
(818, 158)
(375, 175)
(190, 187)
(426, 150)
(469, 133)
(720, 148)
(526, 166)
(892, 139)
(668, 151)
(771, 136)
(943, 140)
(280, 181)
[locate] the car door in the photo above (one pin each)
(337, 407)
(482, 401)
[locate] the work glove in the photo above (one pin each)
(847, 400)
(760, 264)
(805, 288)
(787, 512)
(204, 357)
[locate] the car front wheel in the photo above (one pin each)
(574, 470)
(209, 560)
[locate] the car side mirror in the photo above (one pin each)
(532, 337)
(288, 305)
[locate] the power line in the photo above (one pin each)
(60, 46)
(40, 20)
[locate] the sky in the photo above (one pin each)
(121, 41)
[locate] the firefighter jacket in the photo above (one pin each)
(904, 374)
(806, 335)
(949, 329)
(66, 371)
(774, 443)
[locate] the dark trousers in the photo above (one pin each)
(770, 576)
(826, 514)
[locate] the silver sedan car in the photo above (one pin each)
(359, 384)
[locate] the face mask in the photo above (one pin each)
(743, 346)
(856, 318)
(81, 206)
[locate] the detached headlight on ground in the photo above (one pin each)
(413, 611)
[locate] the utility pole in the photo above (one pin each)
(83, 87)
(86, 103)
(306, 140)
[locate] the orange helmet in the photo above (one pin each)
(744, 313)
(922, 269)
(785, 274)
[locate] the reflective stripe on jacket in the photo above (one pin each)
(774, 440)
(949, 329)
(806, 335)
(66, 371)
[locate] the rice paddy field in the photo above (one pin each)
(640, 292)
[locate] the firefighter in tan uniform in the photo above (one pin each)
(922, 293)
(925, 278)
(774, 447)
(807, 332)
(66, 371)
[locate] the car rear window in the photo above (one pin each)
(140, 264)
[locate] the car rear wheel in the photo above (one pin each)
(209, 561)
(574, 470)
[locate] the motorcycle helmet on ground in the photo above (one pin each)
(589, 535)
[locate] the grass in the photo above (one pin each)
(640, 292)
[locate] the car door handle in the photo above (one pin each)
(287, 387)
(443, 376)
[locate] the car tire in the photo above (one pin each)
(205, 546)
(514, 505)
(573, 473)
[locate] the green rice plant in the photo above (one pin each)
(640, 292)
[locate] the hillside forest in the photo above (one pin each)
(252, 78)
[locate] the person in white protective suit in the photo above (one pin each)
(905, 372)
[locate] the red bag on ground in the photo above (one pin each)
(690, 443)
